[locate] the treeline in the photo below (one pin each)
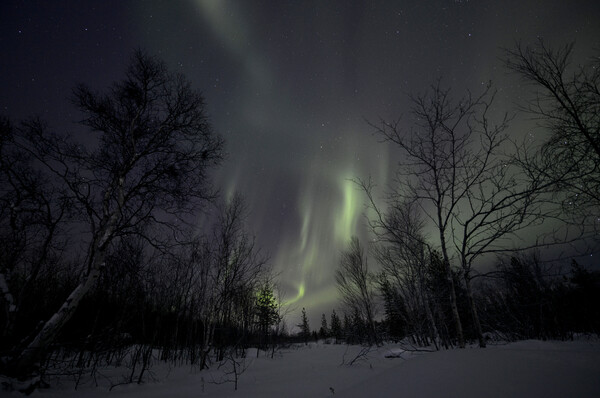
(192, 305)
(465, 196)
(519, 298)
(527, 300)
(102, 261)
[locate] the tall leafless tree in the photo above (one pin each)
(32, 215)
(454, 168)
(354, 283)
(566, 103)
(144, 163)
(401, 248)
(237, 269)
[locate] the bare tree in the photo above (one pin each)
(144, 164)
(567, 104)
(402, 251)
(455, 170)
(237, 269)
(354, 283)
(32, 216)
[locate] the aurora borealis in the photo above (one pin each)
(289, 85)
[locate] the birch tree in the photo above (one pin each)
(566, 103)
(354, 283)
(32, 218)
(454, 167)
(401, 249)
(142, 162)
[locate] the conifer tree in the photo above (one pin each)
(335, 325)
(304, 327)
(266, 310)
(347, 328)
(324, 331)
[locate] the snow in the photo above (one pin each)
(526, 369)
(523, 369)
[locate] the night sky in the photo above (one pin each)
(289, 85)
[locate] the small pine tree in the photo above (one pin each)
(393, 304)
(347, 329)
(358, 327)
(324, 331)
(336, 326)
(266, 311)
(304, 327)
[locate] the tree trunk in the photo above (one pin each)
(474, 314)
(371, 325)
(25, 363)
(458, 324)
(9, 304)
(432, 326)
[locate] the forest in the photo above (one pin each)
(103, 261)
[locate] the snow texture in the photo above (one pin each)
(523, 369)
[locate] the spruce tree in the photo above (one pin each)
(347, 328)
(266, 311)
(336, 326)
(304, 327)
(324, 331)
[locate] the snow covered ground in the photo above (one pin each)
(523, 369)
